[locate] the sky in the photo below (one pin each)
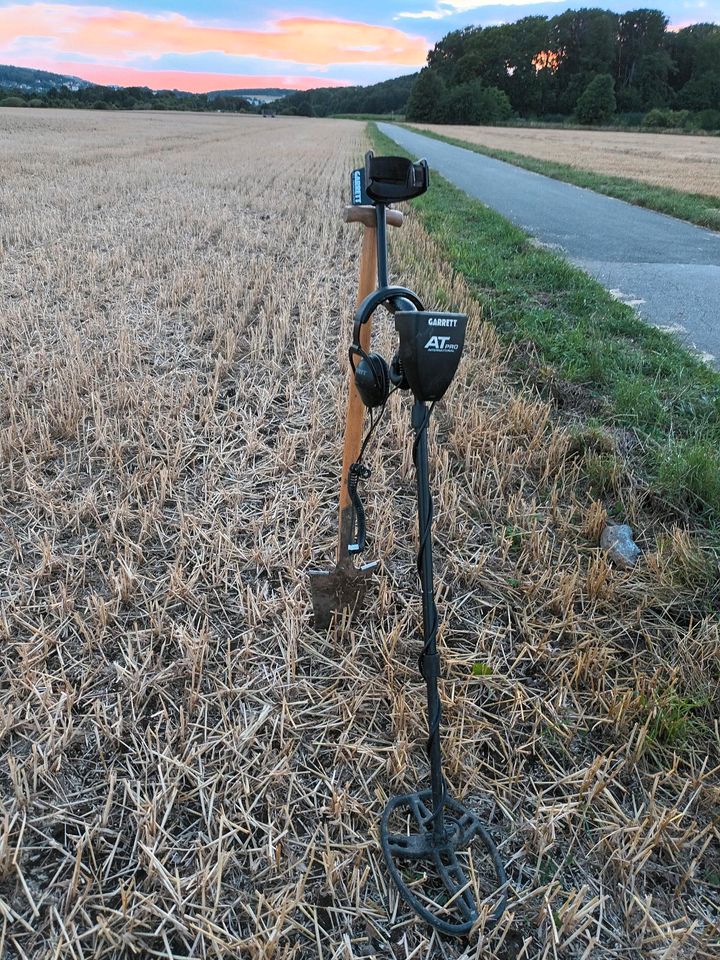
(201, 45)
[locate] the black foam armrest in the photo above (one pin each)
(392, 179)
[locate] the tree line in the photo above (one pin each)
(586, 64)
(124, 98)
(390, 96)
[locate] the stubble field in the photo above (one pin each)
(188, 768)
(686, 163)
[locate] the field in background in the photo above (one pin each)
(686, 163)
(188, 769)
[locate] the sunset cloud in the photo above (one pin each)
(199, 45)
(119, 36)
(183, 79)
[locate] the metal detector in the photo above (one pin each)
(426, 836)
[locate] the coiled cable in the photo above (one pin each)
(426, 660)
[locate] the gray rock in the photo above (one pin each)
(617, 540)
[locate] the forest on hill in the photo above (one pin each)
(93, 96)
(25, 87)
(27, 80)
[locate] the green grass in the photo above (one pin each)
(632, 375)
(694, 207)
(672, 719)
(387, 117)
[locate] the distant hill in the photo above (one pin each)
(37, 81)
(40, 81)
(266, 93)
(38, 88)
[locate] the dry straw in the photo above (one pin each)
(188, 769)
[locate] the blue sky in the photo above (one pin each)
(202, 46)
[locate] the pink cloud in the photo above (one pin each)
(178, 79)
(121, 35)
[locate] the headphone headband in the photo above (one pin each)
(370, 304)
(372, 374)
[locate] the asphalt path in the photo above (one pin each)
(668, 270)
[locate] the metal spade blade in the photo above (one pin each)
(344, 586)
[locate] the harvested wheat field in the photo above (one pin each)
(688, 163)
(189, 770)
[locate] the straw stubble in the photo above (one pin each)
(189, 769)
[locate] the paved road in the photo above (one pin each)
(667, 269)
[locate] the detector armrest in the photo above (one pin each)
(393, 179)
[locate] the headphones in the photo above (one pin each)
(373, 376)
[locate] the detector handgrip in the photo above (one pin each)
(431, 344)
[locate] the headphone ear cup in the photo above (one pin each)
(372, 379)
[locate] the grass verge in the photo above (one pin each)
(631, 379)
(387, 117)
(697, 208)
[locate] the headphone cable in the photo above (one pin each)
(359, 471)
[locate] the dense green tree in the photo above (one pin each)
(640, 34)
(652, 80)
(687, 50)
(596, 104)
(446, 54)
(701, 93)
(707, 54)
(426, 96)
(487, 54)
(708, 120)
(530, 89)
(473, 103)
(584, 41)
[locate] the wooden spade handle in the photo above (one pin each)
(355, 407)
(366, 215)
